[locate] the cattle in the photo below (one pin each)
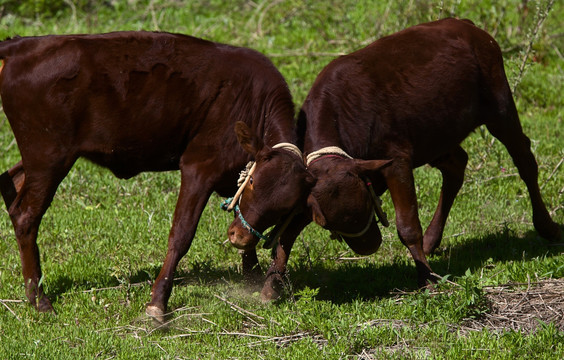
(370, 118)
(135, 102)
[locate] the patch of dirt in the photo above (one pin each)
(522, 307)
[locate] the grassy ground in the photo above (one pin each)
(103, 240)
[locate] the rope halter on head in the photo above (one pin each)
(246, 174)
(335, 151)
(244, 178)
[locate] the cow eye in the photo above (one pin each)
(251, 180)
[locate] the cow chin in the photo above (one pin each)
(241, 238)
(367, 243)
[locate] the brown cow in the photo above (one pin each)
(134, 102)
(411, 98)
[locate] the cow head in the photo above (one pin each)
(341, 200)
(278, 187)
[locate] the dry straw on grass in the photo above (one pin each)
(522, 307)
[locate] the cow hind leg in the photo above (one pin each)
(510, 133)
(452, 168)
(35, 191)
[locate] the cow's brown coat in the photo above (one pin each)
(410, 97)
(133, 102)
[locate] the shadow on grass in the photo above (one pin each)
(352, 281)
(200, 273)
(496, 248)
(349, 280)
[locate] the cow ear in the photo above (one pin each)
(316, 212)
(248, 140)
(369, 167)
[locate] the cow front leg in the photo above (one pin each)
(191, 202)
(452, 168)
(274, 282)
(399, 178)
(252, 272)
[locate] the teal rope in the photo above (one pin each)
(226, 203)
(245, 224)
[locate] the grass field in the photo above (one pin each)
(103, 240)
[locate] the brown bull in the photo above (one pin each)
(134, 102)
(409, 99)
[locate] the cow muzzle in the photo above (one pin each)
(240, 237)
(365, 243)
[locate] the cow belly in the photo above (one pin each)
(125, 165)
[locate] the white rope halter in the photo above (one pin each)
(329, 150)
(289, 147)
(245, 174)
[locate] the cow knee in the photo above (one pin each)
(410, 234)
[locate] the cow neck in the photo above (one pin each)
(276, 126)
(322, 139)
(279, 135)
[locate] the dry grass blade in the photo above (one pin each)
(7, 307)
(247, 314)
(198, 332)
(287, 340)
(554, 171)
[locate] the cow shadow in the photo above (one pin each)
(199, 273)
(346, 281)
(352, 281)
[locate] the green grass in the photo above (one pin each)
(103, 240)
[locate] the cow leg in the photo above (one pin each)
(452, 168)
(274, 282)
(191, 202)
(251, 267)
(35, 190)
(399, 178)
(519, 147)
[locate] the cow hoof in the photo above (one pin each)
(557, 234)
(44, 305)
(155, 313)
(268, 296)
(549, 230)
(269, 293)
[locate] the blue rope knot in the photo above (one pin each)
(245, 224)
